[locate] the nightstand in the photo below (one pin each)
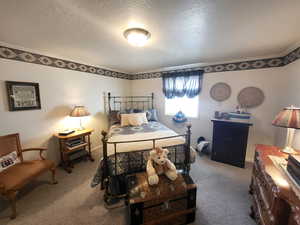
(78, 141)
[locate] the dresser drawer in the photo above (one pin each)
(263, 204)
(294, 216)
(266, 185)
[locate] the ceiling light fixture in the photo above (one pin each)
(137, 36)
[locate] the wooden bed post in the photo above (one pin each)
(188, 150)
(105, 164)
(152, 100)
(109, 107)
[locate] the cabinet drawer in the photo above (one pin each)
(261, 215)
(265, 186)
(294, 216)
(263, 202)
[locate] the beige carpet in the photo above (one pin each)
(222, 198)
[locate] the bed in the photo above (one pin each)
(126, 149)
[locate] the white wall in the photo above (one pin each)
(269, 80)
(60, 90)
(291, 96)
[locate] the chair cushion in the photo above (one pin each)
(9, 160)
(19, 174)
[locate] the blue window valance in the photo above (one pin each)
(180, 84)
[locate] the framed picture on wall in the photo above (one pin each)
(23, 95)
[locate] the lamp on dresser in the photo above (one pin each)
(289, 118)
(79, 111)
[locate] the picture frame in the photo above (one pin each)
(23, 95)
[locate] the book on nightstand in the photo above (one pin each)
(66, 132)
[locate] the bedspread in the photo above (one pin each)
(146, 131)
(132, 157)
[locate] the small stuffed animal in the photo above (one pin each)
(158, 164)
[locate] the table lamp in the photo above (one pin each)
(289, 118)
(79, 111)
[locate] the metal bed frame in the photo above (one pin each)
(144, 103)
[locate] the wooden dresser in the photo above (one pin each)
(274, 201)
(230, 141)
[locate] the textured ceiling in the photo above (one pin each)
(183, 31)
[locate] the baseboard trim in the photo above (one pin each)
(96, 148)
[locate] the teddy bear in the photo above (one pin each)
(158, 164)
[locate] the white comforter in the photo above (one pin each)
(157, 130)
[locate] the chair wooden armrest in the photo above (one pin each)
(36, 149)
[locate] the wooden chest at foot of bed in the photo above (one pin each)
(166, 203)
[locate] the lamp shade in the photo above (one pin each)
(289, 118)
(79, 111)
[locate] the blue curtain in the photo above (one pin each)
(180, 84)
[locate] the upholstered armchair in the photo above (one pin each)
(15, 172)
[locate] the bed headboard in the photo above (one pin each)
(130, 102)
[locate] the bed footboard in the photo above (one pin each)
(109, 178)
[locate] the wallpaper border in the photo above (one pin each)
(29, 57)
(234, 66)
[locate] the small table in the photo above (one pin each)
(65, 150)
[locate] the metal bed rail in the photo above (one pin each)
(124, 102)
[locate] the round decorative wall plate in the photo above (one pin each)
(250, 97)
(220, 91)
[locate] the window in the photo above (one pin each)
(189, 106)
(181, 90)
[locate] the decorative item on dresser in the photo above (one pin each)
(74, 143)
(289, 118)
(15, 172)
(275, 202)
(230, 141)
(170, 202)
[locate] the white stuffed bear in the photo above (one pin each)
(158, 164)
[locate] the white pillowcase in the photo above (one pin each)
(9, 160)
(124, 120)
(133, 119)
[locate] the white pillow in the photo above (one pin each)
(124, 120)
(133, 119)
(8, 160)
(142, 116)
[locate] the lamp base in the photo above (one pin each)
(289, 150)
(80, 128)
